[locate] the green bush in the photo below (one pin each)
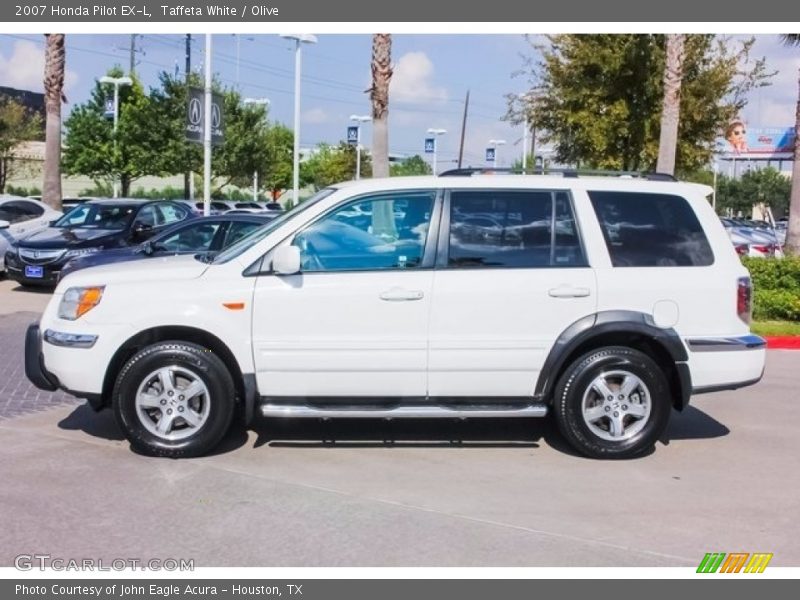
(776, 304)
(776, 285)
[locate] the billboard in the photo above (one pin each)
(756, 143)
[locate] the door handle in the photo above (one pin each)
(401, 295)
(567, 291)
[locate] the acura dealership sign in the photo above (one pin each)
(195, 115)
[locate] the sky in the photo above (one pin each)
(432, 73)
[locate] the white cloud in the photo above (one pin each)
(24, 68)
(413, 80)
(315, 115)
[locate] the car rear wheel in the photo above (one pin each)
(174, 399)
(612, 402)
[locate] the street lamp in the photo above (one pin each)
(359, 119)
(257, 102)
(300, 39)
(495, 144)
(239, 51)
(436, 133)
(116, 82)
(524, 98)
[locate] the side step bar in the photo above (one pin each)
(400, 412)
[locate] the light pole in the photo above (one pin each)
(258, 102)
(116, 82)
(239, 51)
(300, 39)
(495, 144)
(436, 133)
(359, 119)
(207, 131)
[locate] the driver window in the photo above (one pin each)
(147, 216)
(385, 232)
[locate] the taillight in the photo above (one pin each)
(761, 248)
(744, 299)
(742, 249)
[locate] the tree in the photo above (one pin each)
(54, 60)
(16, 125)
(332, 164)
(598, 98)
(379, 95)
(275, 171)
(414, 165)
(793, 231)
(763, 186)
(92, 148)
(670, 113)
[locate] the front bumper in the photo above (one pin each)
(35, 370)
(50, 274)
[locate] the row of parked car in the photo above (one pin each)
(38, 245)
(756, 238)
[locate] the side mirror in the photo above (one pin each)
(4, 224)
(286, 260)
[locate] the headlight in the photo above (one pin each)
(77, 301)
(80, 252)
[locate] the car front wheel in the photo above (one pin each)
(612, 402)
(174, 399)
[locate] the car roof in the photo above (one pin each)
(124, 201)
(511, 182)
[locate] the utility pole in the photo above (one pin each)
(133, 55)
(463, 131)
(188, 193)
(207, 132)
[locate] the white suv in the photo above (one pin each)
(608, 301)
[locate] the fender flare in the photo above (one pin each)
(614, 321)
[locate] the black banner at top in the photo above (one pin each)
(515, 11)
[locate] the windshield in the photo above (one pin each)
(259, 234)
(98, 216)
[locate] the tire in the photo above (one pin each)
(628, 424)
(149, 387)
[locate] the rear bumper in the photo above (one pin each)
(726, 362)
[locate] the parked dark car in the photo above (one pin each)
(196, 236)
(88, 228)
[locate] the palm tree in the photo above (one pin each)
(379, 95)
(54, 95)
(793, 231)
(670, 113)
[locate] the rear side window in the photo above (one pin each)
(513, 229)
(651, 230)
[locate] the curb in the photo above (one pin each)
(783, 342)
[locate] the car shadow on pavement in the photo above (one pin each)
(34, 289)
(97, 424)
(693, 424)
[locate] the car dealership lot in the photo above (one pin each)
(372, 493)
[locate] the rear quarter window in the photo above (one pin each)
(651, 230)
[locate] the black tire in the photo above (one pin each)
(190, 359)
(577, 380)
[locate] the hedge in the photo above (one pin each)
(776, 288)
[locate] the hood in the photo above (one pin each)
(168, 268)
(68, 237)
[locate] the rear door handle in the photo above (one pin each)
(401, 295)
(567, 291)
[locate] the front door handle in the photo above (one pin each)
(401, 295)
(567, 291)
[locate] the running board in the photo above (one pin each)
(400, 412)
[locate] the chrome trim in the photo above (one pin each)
(726, 344)
(69, 340)
(399, 412)
(33, 256)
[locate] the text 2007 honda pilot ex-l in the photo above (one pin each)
(607, 301)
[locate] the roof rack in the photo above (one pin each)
(564, 172)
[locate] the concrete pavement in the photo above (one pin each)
(510, 494)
